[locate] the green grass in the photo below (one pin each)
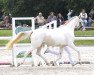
(84, 42)
(84, 33)
(77, 33)
(77, 42)
(5, 32)
(25, 41)
(3, 42)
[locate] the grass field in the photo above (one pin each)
(84, 33)
(5, 32)
(4, 42)
(77, 42)
(77, 33)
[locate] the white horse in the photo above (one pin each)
(61, 37)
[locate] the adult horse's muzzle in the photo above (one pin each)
(80, 26)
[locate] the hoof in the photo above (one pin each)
(39, 64)
(12, 66)
(47, 51)
(32, 65)
(74, 64)
(19, 64)
(52, 63)
(80, 63)
(60, 63)
(55, 64)
(47, 64)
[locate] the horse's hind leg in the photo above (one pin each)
(60, 56)
(39, 54)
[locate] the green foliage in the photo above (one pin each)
(32, 7)
(1, 4)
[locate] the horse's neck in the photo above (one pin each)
(71, 26)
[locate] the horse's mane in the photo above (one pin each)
(70, 20)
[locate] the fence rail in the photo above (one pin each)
(5, 37)
(76, 38)
(84, 38)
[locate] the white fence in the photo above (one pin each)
(76, 38)
(32, 19)
(87, 54)
(84, 38)
(5, 38)
(18, 50)
(49, 25)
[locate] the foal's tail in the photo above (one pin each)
(20, 36)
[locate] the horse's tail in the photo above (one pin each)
(20, 36)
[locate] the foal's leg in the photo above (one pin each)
(71, 45)
(39, 54)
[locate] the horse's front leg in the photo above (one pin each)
(67, 49)
(71, 45)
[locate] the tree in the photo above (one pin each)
(32, 7)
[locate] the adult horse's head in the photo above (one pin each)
(79, 23)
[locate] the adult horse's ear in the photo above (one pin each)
(79, 17)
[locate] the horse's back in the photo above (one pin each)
(50, 36)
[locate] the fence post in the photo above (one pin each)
(33, 23)
(55, 24)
